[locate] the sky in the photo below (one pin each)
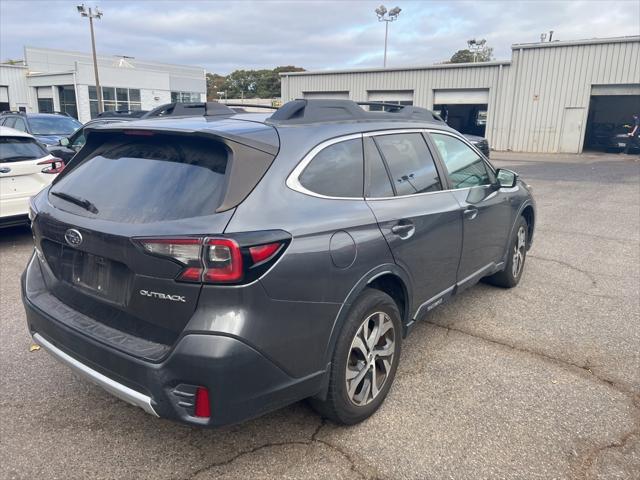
(317, 35)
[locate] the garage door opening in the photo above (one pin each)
(609, 120)
(466, 118)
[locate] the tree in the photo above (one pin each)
(215, 84)
(248, 83)
(477, 51)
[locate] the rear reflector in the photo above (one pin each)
(203, 407)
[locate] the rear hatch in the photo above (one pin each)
(100, 228)
(21, 172)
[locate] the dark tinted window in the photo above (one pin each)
(147, 179)
(377, 179)
(15, 149)
(465, 167)
(336, 171)
(410, 163)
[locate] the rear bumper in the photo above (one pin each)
(242, 382)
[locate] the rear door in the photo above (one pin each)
(419, 219)
(486, 210)
(20, 174)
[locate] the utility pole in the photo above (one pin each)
(91, 14)
(384, 16)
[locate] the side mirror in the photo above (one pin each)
(507, 178)
(64, 141)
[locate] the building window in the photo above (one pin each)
(4, 99)
(114, 98)
(185, 97)
(67, 95)
(45, 105)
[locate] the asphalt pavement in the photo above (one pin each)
(541, 381)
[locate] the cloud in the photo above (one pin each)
(224, 36)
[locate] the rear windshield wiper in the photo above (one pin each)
(81, 202)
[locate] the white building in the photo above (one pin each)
(550, 97)
(57, 80)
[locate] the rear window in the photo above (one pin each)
(147, 179)
(16, 149)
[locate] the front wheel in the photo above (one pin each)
(516, 256)
(365, 360)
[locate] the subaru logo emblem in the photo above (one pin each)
(73, 237)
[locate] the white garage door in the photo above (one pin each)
(390, 96)
(457, 97)
(327, 95)
(631, 89)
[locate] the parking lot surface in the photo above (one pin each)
(542, 381)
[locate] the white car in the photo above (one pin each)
(25, 168)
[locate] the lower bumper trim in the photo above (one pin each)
(114, 388)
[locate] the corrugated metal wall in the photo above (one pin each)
(527, 98)
(14, 77)
(551, 79)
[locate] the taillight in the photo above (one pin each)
(56, 165)
(223, 261)
(261, 253)
(219, 260)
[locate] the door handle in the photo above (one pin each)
(403, 229)
(471, 213)
(5, 169)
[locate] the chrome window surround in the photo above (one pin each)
(293, 180)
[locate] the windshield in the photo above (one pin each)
(14, 149)
(53, 125)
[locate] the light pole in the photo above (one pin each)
(386, 17)
(91, 14)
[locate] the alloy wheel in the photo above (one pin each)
(370, 358)
(519, 250)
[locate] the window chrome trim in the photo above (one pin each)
(293, 180)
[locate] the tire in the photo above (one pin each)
(372, 309)
(516, 256)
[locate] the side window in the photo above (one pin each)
(20, 125)
(466, 168)
(10, 122)
(79, 140)
(410, 163)
(337, 171)
(377, 181)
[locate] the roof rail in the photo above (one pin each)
(18, 112)
(269, 107)
(314, 111)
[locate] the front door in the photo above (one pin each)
(420, 221)
(486, 211)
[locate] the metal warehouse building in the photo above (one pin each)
(559, 96)
(56, 80)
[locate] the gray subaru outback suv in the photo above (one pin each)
(213, 268)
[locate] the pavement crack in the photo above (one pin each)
(624, 389)
(586, 273)
(312, 439)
